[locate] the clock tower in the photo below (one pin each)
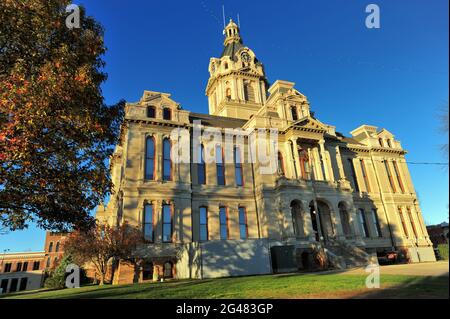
(237, 86)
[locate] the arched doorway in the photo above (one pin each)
(297, 218)
(326, 222)
(314, 220)
(321, 218)
(345, 219)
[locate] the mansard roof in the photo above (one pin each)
(231, 49)
(217, 121)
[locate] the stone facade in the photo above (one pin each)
(327, 188)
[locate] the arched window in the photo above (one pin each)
(281, 164)
(225, 65)
(151, 112)
(167, 162)
(167, 114)
(380, 140)
(203, 219)
(243, 225)
(148, 222)
(220, 166)
(168, 269)
(223, 219)
(57, 247)
(201, 168)
(50, 247)
(167, 223)
(294, 113)
(150, 158)
(249, 92)
(48, 263)
(238, 173)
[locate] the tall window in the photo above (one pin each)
(243, 226)
(36, 265)
(411, 220)
(50, 247)
(148, 222)
(167, 223)
(281, 170)
(391, 180)
(167, 114)
(294, 113)
(353, 172)
(150, 158)
(376, 222)
(249, 92)
(402, 220)
(223, 218)
(389, 143)
(366, 177)
(25, 266)
(201, 168)
(220, 166)
(151, 111)
(19, 266)
(57, 247)
(238, 174)
(303, 158)
(167, 162)
(7, 267)
(228, 93)
(362, 221)
(203, 224)
(380, 140)
(399, 178)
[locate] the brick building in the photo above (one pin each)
(26, 270)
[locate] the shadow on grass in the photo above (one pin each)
(427, 287)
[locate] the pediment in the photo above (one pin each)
(385, 134)
(310, 124)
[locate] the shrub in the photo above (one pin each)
(443, 251)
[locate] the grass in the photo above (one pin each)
(328, 285)
(443, 251)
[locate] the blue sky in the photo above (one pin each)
(394, 77)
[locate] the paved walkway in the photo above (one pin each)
(440, 268)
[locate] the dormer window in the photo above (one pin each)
(389, 143)
(167, 114)
(151, 112)
(380, 140)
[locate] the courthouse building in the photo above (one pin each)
(351, 196)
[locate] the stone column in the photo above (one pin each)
(311, 165)
(339, 163)
(354, 222)
(157, 220)
(323, 156)
(336, 218)
(318, 171)
(158, 157)
(296, 163)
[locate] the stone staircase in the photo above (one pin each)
(343, 255)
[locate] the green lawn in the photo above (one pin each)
(317, 285)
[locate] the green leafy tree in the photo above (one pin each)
(56, 133)
(57, 277)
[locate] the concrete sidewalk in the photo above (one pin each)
(439, 268)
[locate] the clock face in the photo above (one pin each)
(245, 57)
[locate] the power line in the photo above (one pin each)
(426, 163)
